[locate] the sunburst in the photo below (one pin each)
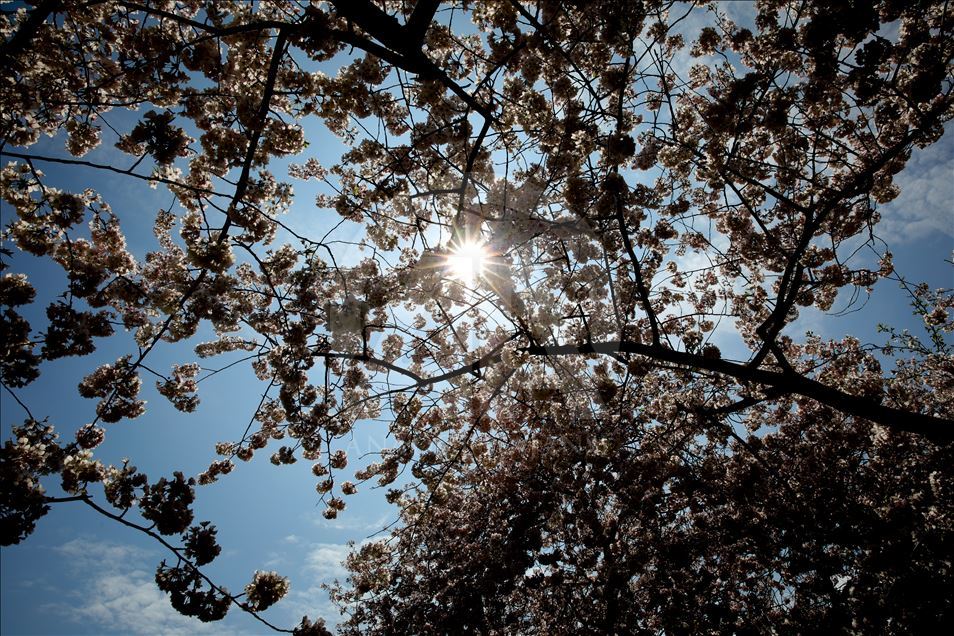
(467, 260)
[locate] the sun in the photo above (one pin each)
(466, 261)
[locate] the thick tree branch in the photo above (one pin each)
(936, 428)
(420, 19)
(370, 360)
(399, 49)
(778, 383)
(13, 47)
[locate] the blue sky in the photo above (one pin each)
(83, 574)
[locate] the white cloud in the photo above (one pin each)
(312, 602)
(119, 593)
(926, 203)
(321, 566)
(86, 553)
(742, 12)
(275, 560)
(353, 523)
(131, 603)
(324, 561)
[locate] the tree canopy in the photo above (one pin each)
(580, 236)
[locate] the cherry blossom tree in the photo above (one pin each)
(587, 231)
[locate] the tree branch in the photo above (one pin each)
(936, 428)
(13, 47)
(86, 499)
(420, 19)
(100, 166)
